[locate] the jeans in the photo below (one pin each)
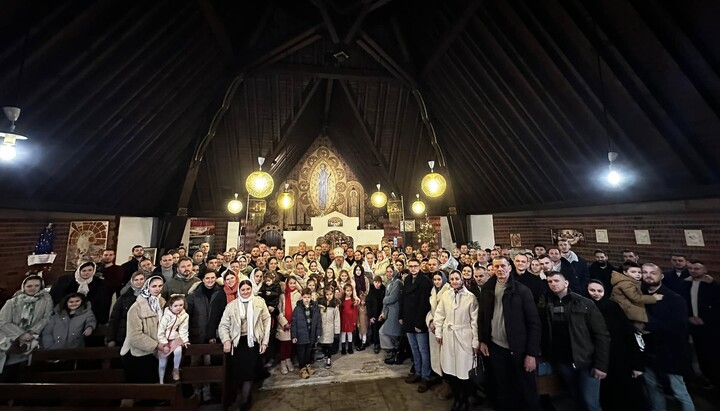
(656, 392)
(585, 388)
(421, 353)
(304, 354)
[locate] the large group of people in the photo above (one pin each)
(616, 336)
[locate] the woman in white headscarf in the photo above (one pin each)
(245, 332)
(456, 331)
(22, 319)
(85, 282)
(141, 342)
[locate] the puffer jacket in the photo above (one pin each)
(628, 294)
(299, 328)
(65, 331)
(330, 319)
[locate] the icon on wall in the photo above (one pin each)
(86, 242)
(642, 237)
(601, 236)
(573, 236)
(694, 238)
(515, 240)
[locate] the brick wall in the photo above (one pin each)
(18, 235)
(666, 233)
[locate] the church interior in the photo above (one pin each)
(391, 127)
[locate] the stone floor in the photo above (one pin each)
(362, 382)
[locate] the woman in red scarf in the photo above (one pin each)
(288, 300)
(230, 286)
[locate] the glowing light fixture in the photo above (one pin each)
(614, 177)
(234, 206)
(9, 138)
(286, 199)
(378, 198)
(418, 207)
(259, 183)
(433, 184)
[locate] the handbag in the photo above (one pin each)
(478, 373)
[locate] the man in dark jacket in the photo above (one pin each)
(674, 277)
(666, 344)
(579, 342)
(602, 270)
(510, 337)
(414, 306)
(562, 265)
(138, 253)
(205, 307)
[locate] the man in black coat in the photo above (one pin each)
(702, 294)
(138, 253)
(666, 344)
(601, 270)
(85, 282)
(674, 277)
(414, 306)
(510, 337)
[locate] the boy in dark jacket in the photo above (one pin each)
(304, 330)
(374, 302)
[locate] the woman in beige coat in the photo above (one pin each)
(440, 287)
(245, 332)
(288, 300)
(456, 330)
(141, 342)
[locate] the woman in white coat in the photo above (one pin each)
(456, 331)
(440, 287)
(245, 332)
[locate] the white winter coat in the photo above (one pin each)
(330, 320)
(173, 326)
(456, 321)
(435, 297)
(282, 334)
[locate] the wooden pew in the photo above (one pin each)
(61, 397)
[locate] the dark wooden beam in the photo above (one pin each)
(383, 58)
(287, 128)
(218, 30)
(358, 22)
(260, 26)
(320, 4)
(401, 41)
(276, 53)
(328, 101)
(328, 72)
(451, 35)
(368, 137)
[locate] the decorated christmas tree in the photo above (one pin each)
(44, 244)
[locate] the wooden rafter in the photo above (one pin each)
(320, 4)
(451, 35)
(329, 72)
(218, 29)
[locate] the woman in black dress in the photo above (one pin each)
(245, 331)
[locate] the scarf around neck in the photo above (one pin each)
(250, 318)
(288, 305)
(231, 293)
(83, 284)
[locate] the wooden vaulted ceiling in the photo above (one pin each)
(118, 98)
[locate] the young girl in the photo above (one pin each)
(172, 335)
(312, 285)
(330, 320)
(362, 322)
(69, 324)
(313, 268)
(288, 301)
(330, 279)
(348, 318)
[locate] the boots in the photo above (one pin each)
(362, 346)
(393, 359)
(343, 351)
(289, 363)
(349, 348)
(376, 349)
(283, 367)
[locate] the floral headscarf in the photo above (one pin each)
(83, 284)
(153, 300)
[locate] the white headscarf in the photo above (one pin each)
(153, 300)
(83, 284)
(255, 286)
(249, 317)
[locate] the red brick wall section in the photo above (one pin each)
(18, 237)
(666, 234)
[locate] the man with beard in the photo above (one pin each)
(254, 254)
(131, 266)
(562, 265)
(166, 268)
(578, 264)
(324, 255)
(539, 250)
(666, 343)
(702, 294)
(630, 255)
(601, 269)
(183, 281)
(339, 262)
(111, 272)
(358, 260)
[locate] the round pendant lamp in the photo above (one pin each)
(418, 207)
(433, 184)
(259, 184)
(378, 199)
(286, 199)
(235, 206)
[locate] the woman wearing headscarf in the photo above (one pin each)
(391, 330)
(85, 282)
(141, 343)
(117, 326)
(621, 389)
(22, 319)
(456, 331)
(440, 287)
(256, 279)
(245, 332)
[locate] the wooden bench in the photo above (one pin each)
(55, 397)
